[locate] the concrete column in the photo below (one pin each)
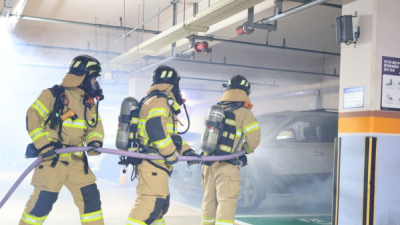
(367, 182)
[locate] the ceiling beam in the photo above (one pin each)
(65, 48)
(41, 19)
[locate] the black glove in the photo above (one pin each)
(171, 159)
(94, 145)
(242, 160)
(48, 154)
(191, 152)
(177, 141)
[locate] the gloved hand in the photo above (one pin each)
(191, 152)
(248, 150)
(177, 141)
(48, 154)
(94, 145)
(170, 160)
(243, 160)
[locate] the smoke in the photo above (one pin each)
(25, 72)
(317, 192)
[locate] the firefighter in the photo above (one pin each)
(221, 180)
(66, 116)
(158, 136)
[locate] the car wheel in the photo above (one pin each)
(249, 196)
(109, 168)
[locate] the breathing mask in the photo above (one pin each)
(91, 85)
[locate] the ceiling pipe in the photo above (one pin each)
(64, 48)
(256, 67)
(270, 23)
(323, 4)
(174, 21)
(34, 18)
(192, 40)
(278, 6)
(57, 67)
(218, 64)
(205, 38)
(314, 92)
(195, 8)
(292, 12)
(142, 69)
(7, 8)
(214, 80)
(332, 5)
(249, 26)
(172, 3)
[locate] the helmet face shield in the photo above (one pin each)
(92, 84)
(95, 82)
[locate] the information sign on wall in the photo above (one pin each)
(353, 97)
(390, 84)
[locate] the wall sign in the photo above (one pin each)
(353, 97)
(390, 99)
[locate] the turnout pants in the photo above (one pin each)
(152, 201)
(48, 181)
(221, 184)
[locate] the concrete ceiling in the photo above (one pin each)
(311, 29)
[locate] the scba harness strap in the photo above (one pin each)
(229, 134)
(134, 144)
(55, 120)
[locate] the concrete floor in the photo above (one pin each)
(117, 203)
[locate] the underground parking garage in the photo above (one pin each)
(281, 112)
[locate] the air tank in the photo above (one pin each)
(214, 126)
(128, 104)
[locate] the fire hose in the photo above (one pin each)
(114, 152)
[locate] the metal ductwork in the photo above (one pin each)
(199, 23)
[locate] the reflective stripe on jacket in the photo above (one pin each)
(74, 132)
